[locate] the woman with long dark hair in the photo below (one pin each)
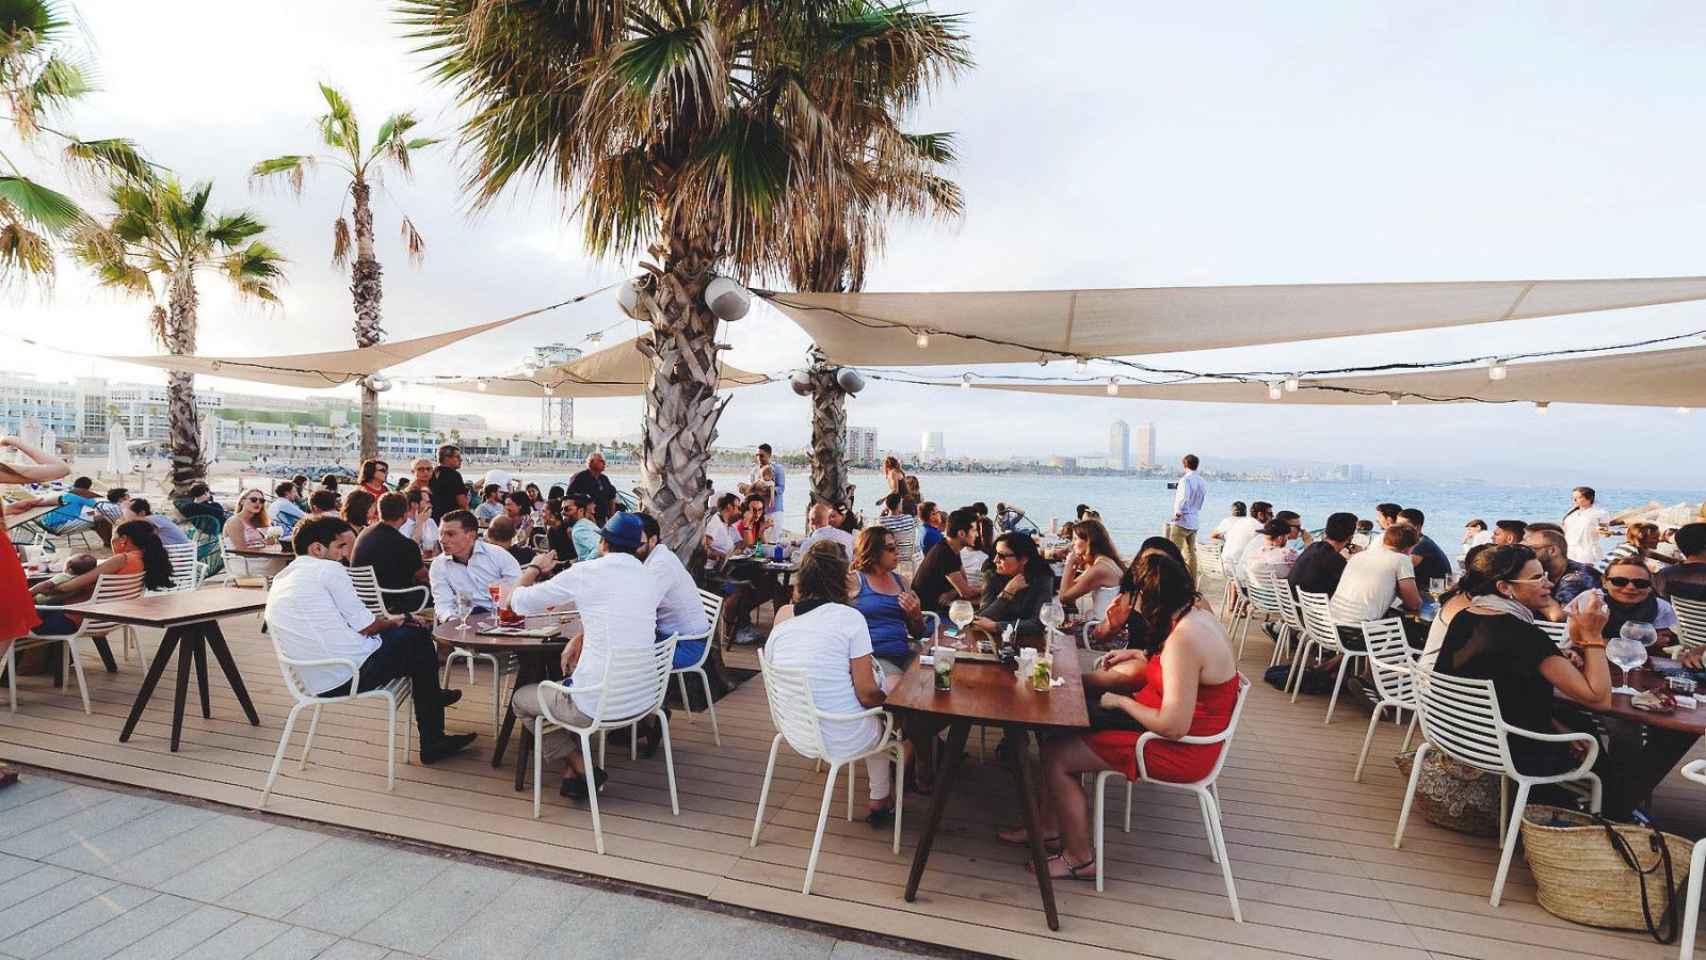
(359, 507)
(1018, 586)
(1188, 689)
(1093, 568)
(136, 549)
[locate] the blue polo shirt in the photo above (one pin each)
(70, 508)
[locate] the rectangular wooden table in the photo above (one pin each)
(990, 693)
(191, 621)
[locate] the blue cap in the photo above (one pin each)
(624, 530)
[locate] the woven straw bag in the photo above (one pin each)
(1583, 876)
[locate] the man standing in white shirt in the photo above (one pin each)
(468, 566)
(681, 610)
(1187, 509)
(617, 600)
(313, 613)
(1585, 526)
(821, 519)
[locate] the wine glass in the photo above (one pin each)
(962, 614)
(1629, 650)
(1052, 615)
(1436, 586)
(464, 606)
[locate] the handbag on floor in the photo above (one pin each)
(1621, 875)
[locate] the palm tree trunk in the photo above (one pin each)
(829, 435)
(187, 465)
(366, 290)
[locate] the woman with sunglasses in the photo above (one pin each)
(1018, 586)
(249, 527)
(1627, 591)
(375, 474)
(1494, 638)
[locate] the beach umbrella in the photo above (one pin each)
(209, 440)
(118, 451)
(30, 432)
(50, 442)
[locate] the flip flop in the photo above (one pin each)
(1085, 871)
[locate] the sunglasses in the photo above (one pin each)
(1005, 556)
(1629, 582)
(254, 500)
(1542, 578)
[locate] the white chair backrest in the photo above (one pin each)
(1288, 607)
(1694, 770)
(292, 679)
(789, 691)
(1264, 594)
(1558, 632)
(1317, 614)
(183, 567)
(1231, 726)
(1690, 621)
(112, 586)
(1461, 717)
(1390, 658)
(713, 603)
(633, 674)
(1208, 558)
(367, 588)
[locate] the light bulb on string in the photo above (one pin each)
(595, 338)
(1541, 406)
(1684, 410)
(923, 340)
(965, 381)
(1394, 398)
(1113, 386)
(1496, 371)
(550, 391)
(480, 385)
(1081, 365)
(1274, 392)
(1291, 384)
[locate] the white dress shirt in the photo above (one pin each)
(487, 565)
(833, 535)
(618, 602)
(314, 614)
(721, 534)
(429, 533)
(680, 608)
(1187, 502)
(1581, 532)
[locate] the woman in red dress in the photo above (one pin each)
(1188, 688)
(17, 609)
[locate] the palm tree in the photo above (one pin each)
(710, 134)
(159, 238)
(39, 80)
(393, 146)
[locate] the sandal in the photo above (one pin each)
(1085, 871)
(1051, 844)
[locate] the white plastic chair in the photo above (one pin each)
(798, 720)
(1694, 770)
(1323, 638)
(1208, 796)
(713, 604)
(108, 586)
(1264, 604)
(1690, 621)
(1208, 561)
(395, 694)
(1394, 667)
(1461, 718)
(187, 571)
(1558, 633)
(1293, 635)
(416, 598)
(630, 673)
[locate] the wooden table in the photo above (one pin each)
(990, 693)
(1646, 746)
(191, 621)
(536, 658)
(18, 519)
(273, 552)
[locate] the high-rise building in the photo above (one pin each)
(1119, 446)
(861, 445)
(932, 447)
(1145, 444)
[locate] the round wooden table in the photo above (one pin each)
(536, 658)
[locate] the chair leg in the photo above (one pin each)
(1299, 664)
(764, 791)
(1691, 906)
(899, 791)
(1411, 732)
(12, 678)
(308, 744)
(1367, 738)
(603, 746)
(1511, 834)
(1217, 838)
(1128, 786)
(391, 744)
(1333, 701)
(591, 791)
(444, 681)
(407, 722)
(1208, 824)
(822, 818)
(278, 755)
(539, 764)
(76, 664)
(1097, 827)
(710, 707)
(669, 763)
(633, 742)
(1410, 793)
(852, 777)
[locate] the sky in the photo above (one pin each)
(1102, 144)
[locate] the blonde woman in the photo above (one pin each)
(249, 528)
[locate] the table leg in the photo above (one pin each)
(949, 770)
(201, 680)
(222, 653)
(528, 669)
(186, 653)
(1019, 743)
(105, 649)
(162, 656)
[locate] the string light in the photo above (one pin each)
(1274, 391)
(550, 391)
(1291, 384)
(480, 386)
(1683, 410)
(1081, 365)
(1541, 406)
(595, 338)
(1496, 371)
(1394, 398)
(965, 381)
(1113, 386)
(923, 340)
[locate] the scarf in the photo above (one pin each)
(1494, 605)
(1647, 611)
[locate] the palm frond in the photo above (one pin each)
(412, 240)
(338, 127)
(58, 82)
(255, 270)
(24, 253)
(340, 242)
(231, 229)
(935, 148)
(292, 169)
(112, 158)
(31, 202)
(157, 323)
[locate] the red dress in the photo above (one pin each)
(1165, 759)
(17, 607)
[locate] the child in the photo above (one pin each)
(47, 591)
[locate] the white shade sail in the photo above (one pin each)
(1667, 378)
(983, 327)
(616, 371)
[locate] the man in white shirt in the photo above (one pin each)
(1585, 526)
(681, 610)
(617, 600)
(1240, 532)
(313, 613)
(1372, 580)
(1187, 511)
(1226, 523)
(491, 503)
(720, 539)
(821, 519)
(468, 565)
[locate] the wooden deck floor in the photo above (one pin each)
(1311, 850)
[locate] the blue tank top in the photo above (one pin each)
(889, 636)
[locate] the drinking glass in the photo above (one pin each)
(464, 606)
(1629, 650)
(962, 614)
(944, 664)
(1052, 615)
(1436, 586)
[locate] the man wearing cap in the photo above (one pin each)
(617, 599)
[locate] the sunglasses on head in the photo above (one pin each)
(1629, 582)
